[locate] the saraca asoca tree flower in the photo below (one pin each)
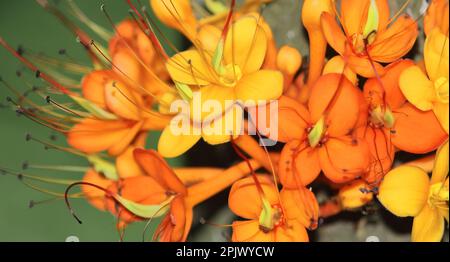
(428, 91)
(324, 138)
(368, 35)
(232, 73)
(408, 191)
(272, 216)
(392, 121)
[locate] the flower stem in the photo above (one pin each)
(204, 190)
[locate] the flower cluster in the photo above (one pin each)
(340, 119)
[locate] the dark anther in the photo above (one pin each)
(62, 51)
(28, 137)
(20, 50)
(25, 165)
(8, 99)
(53, 137)
(31, 204)
(48, 99)
(19, 176)
(38, 74)
(18, 73)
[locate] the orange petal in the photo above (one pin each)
(411, 124)
(363, 67)
(289, 111)
(333, 32)
(301, 204)
(178, 219)
(389, 84)
(299, 165)
(120, 145)
(122, 101)
(141, 189)
(93, 136)
(396, 41)
(382, 153)
(344, 159)
(93, 86)
(294, 231)
(155, 166)
(95, 196)
(126, 165)
(249, 231)
(246, 189)
(335, 96)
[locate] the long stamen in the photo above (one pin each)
(27, 63)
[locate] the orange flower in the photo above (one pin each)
(270, 218)
(127, 115)
(394, 123)
(369, 36)
(162, 192)
(323, 138)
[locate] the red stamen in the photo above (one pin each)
(31, 66)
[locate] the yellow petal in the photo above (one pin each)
(441, 112)
(404, 191)
(436, 55)
(440, 169)
(219, 130)
(428, 226)
(246, 45)
(417, 88)
(191, 67)
(172, 145)
(264, 85)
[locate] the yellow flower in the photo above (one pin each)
(430, 92)
(231, 72)
(408, 191)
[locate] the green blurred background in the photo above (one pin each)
(27, 24)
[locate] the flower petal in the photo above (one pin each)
(428, 226)
(95, 196)
(294, 231)
(122, 101)
(404, 191)
(155, 166)
(436, 55)
(417, 88)
(126, 164)
(249, 231)
(93, 136)
(441, 112)
(333, 32)
(192, 68)
(299, 165)
(246, 45)
(172, 145)
(411, 123)
(260, 87)
(396, 41)
(220, 130)
(344, 98)
(382, 153)
(300, 204)
(440, 169)
(93, 86)
(344, 159)
(246, 189)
